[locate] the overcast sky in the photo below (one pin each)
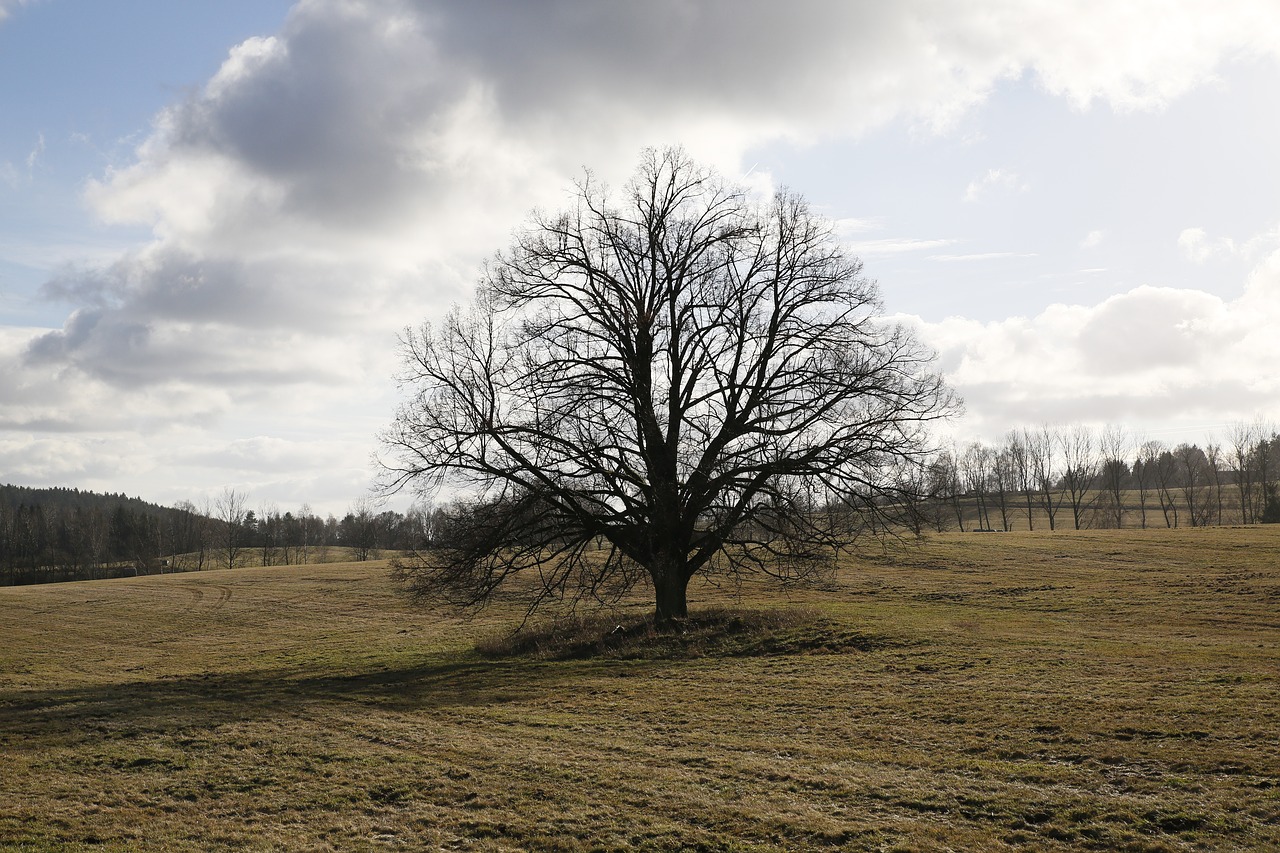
(216, 215)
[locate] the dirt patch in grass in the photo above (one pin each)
(720, 632)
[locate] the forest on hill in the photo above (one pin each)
(64, 534)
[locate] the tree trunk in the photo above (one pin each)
(670, 588)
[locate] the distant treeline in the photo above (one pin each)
(1045, 477)
(59, 534)
(64, 534)
(1080, 478)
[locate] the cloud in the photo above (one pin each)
(1197, 247)
(15, 176)
(44, 400)
(995, 181)
(59, 459)
(896, 245)
(847, 227)
(1092, 239)
(1152, 354)
(34, 156)
(7, 7)
(982, 256)
(342, 178)
(348, 173)
(1145, 53)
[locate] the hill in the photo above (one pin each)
(55, 535)
(1100, 690)
(62, 534)
(62, 498)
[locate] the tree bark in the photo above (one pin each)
(670, 592)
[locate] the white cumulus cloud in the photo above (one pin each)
(1198, 247)
(1152, 355)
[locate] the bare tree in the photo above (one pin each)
(421, 521)
(1079, 467)
(975, 467)
(1040, 451)
(307, 523)
(947, 484)
(189, 536)
(361, 530)
(1243, 437)
(1004, 482)
(1264, 464)
(318, 537)
(230, 511)
(271, 534)
(1024, 473)
(919, 502)
(676, 374)
(208, 531)
(1144, 473)
(1193, 477)
(1213, 460)
(1114, 445)
(1166, 481)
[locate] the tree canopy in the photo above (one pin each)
(680, 379)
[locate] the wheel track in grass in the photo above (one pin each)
(197, 592)
(197, 595)
(224, 595)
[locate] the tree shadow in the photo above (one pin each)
(205, 700)
(712, 632)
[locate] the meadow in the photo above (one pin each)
(1097, 690)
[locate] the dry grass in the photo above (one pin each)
(1105, 690)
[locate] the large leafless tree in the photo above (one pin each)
(689, 378)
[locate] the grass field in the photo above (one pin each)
(1107, 690)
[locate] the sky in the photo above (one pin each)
(216, 216)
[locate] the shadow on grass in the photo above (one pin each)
(212, 699)
(709, 633)
(514, 667)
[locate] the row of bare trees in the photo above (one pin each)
(237, 535)
(1059, 476)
